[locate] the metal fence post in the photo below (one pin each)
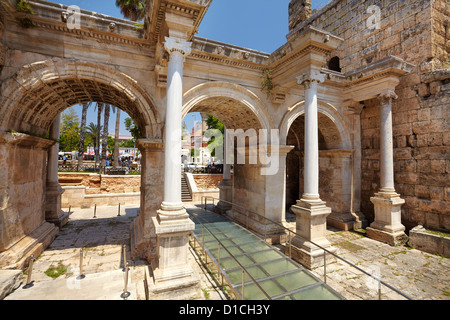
(95, 211)
(81, 276)
(125, 294)
(29, 283)
(118, 212)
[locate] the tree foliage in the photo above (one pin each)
(131, 126)
(132, 9)
(70, 131)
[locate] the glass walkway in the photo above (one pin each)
(268, 273)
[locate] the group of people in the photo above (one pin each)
(123, 162)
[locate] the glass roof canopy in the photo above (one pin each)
(278, 275)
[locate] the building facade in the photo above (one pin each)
(358, 96)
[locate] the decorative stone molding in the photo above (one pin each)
(177, 45)
(387, 97)
(311, 78)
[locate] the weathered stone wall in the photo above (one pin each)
(22, 178)
(418, 32)
(207, 181)
(97, 184)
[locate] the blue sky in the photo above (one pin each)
(256, 24)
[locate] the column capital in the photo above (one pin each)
(387, 96)
(353, 107)
(311, 77)
(173, 44)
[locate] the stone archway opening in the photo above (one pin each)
(335, 165)
(31, 101)
(237, 109)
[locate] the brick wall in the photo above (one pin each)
(417, 31)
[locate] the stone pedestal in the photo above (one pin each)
(226, 193)
(387, 226)
(311, 228)
(53, 212)
(171, 270)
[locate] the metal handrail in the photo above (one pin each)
(232, 256)
(320, 247)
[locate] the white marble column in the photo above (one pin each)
(171, 269)
(386, 145)
(387, 226)
(172, 206)
(53, 211)
(311, 212)
(311, 170)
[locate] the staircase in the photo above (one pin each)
(185, 193)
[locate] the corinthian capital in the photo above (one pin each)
(177, 45)
(309, 78)
(387, 97)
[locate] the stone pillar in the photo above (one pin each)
(353, 217)
(226, 186)
(171, 268)
(275, 200)
(387, 226)
(143, 237)
(53, 211)
(311, 212)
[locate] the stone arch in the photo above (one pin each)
(38, 92)
(326, 109)
(241, 108)
(30, 102)
(335, 158)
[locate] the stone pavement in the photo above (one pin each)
(417, 274)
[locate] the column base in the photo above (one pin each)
(226, 191)
(390, 238)
(18, 256)
(311, 227)
(347, 221)
(171, 269)
(387, 226)
(53, 212)
(142, 245)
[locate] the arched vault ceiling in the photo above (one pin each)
(232, 113)
(39, 107)
(329, 136)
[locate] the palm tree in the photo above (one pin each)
(132, 9)
(105, 136)
(116, 138)
(92, 132)
(82, 134)
(99, 117)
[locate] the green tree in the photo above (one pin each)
(91, 133)
(215, 129)
(70, 131)
(131, 126)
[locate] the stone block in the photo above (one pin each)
(430, 241)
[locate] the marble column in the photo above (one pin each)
(53, 211)
(387, 226)
(171, 269)
(311, 212)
